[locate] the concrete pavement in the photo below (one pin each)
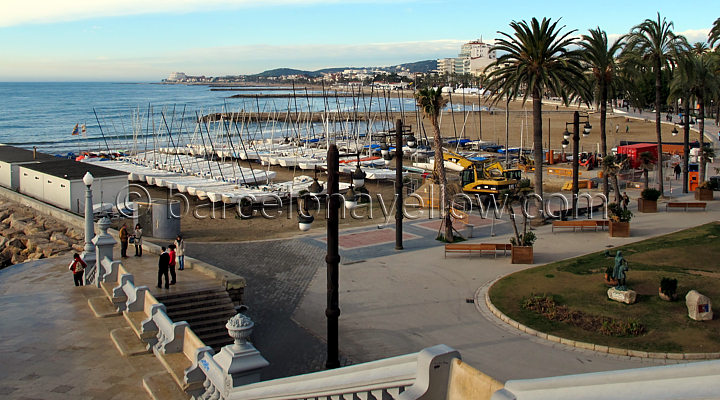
(401, 303)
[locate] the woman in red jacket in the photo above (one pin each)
(77, 266)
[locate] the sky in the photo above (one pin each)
(146, 40)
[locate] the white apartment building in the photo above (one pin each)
(177, 77)
(473, 58)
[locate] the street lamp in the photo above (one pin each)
(576, 149)
(412, 143)
(88, 254)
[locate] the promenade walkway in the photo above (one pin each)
(53, 347)
(396, 304)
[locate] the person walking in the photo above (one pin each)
(627, 128)
(77, 266)
(677, 171)
(124, 238)
(625, 201)
(137, 240)
(171, 264)
(180, 251)
(163, 265)
(617, 128)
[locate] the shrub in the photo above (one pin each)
(650, 194)
(526, 239)
(668, 286)
(618, 213)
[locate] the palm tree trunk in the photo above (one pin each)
(646, 177)
(514, 224)
(701, 125)
(616, 186)
(603, 136)
(538, 146)
(686, 144)
(441, 179)
(658, 87)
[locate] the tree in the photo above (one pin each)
(680, 90)
(647, 160)
(696, 75)
(518, 195)
(601, 60)
(714, 35)
(655, 42)
(611, 167)
(535, 60)
(431, 102)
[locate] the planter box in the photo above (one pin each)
(647, 206)
(522, 254)
(703, 194)
(619, 229)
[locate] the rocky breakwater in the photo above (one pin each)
(27, 235)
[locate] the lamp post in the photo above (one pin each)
(332, 258)
(88, 254)
(576, 150)
(412, 143)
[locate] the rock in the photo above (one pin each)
(35, 256)
(51, 249)
(4, 214)
(10, 251)
(3, 241)
(623, 296)
(5, 261)
(75, 234)
(25, 252)
(16, 242)
(699, 306)
(9, 232)
(18, 258)
(61, 238)
(78, 248)
(33, 242)
(35, 231)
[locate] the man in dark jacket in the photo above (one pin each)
(163, 265)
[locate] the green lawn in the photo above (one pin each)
(691, 256)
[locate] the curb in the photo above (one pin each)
(590, 346)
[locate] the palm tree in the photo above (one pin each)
(655, 42)
(535, 60)
(431, 102)
(696, 74)
(518, 196)
(714, 35)
(680, 89)
(647, 160)
(611, 167)
(601, 60)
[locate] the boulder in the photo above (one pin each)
(10, 251)
(50, 249)
(3, 241)
(75, 234)
(33, 242)
(16, 242)
(699, 306)
(33, 230)
(623, 296)
(78, 248)
(9, 232)
(5, 261)
(18, 258)
(35, 256)
(61, 238)
(4, 214)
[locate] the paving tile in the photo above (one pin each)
(62, 389)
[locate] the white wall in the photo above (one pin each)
(6, 174)
(104, 190)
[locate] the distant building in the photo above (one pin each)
(473, 58)
(177, 77)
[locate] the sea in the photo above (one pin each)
(116, 116)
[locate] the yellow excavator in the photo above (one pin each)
(483, 177)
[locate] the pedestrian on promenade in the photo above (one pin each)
(627, 128)
(617, 128)
(677, 171)
(137, 240)
(124, 238)
(625, 201)
(77, 266)
(171, 264)
(163, 265)
(180, 251)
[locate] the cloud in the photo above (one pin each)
(695, 35)
(18, 12)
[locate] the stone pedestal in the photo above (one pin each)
(104, 244)
(240, 361)
(699, 306)
(623, 296)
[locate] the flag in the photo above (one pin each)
(83, 129)
(75, 130)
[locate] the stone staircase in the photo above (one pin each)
(206, 310)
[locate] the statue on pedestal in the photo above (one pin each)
(619, 270)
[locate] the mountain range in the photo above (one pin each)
(419, 67)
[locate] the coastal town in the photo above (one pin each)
(532, 219)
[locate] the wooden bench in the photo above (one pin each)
(686, 205)
(581, 223)
(482, 248)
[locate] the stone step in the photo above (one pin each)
(179, 304)
(127, 342)
(198, 311)
(193, 293)
(102, 307)
(161, 386)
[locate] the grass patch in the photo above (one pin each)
(577, 290)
